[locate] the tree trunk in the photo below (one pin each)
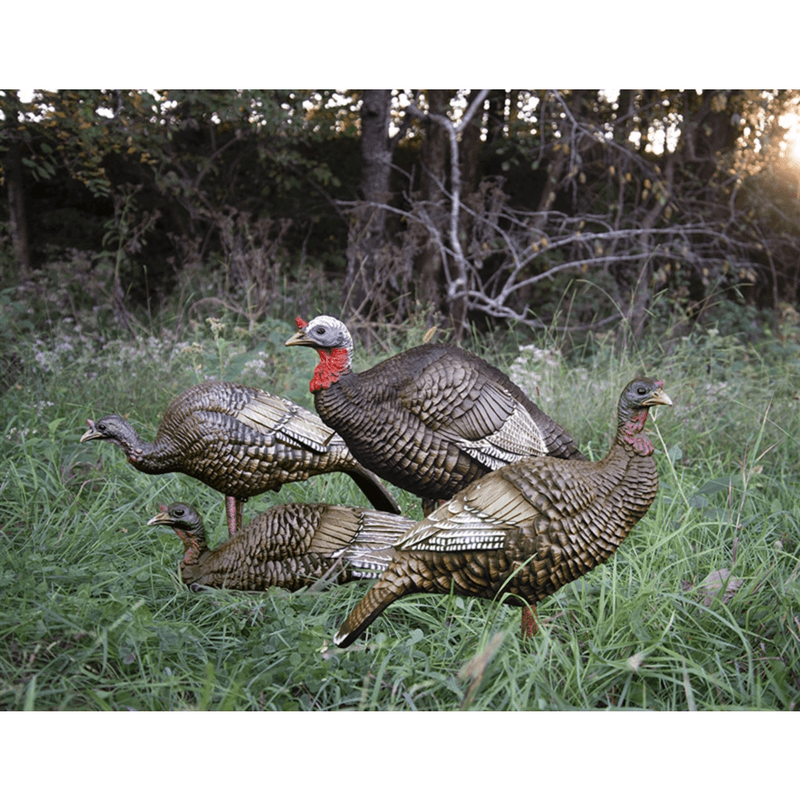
(434, 156)
(496, 119)
(12, 168)
(367, 235)
(469, 156)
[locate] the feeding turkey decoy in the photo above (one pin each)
(292, 546)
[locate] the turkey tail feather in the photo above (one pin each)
(377, 494)
(372, 605)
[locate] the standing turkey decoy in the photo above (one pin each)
(290, 546)
(524, 531)
(430, 420)
(241, 442)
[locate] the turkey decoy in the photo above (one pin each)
(430, 420)
(290, 546)
(523, 531)
(241, 442)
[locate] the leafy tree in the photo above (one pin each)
(474, 205)
(176, 176)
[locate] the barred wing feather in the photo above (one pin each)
(286, 421)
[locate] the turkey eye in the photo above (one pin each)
(101, 426)
(641, 390)
(178, 512)
(321, 330)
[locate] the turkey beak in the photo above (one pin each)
(658, 398)
(92, 433)
(161, 519)
(299, 338)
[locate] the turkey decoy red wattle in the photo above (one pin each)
(523, 531)
(241, 442)
(430, 420)
(292, 546)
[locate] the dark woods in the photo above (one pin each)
(572, 210)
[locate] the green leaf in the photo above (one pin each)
(30, 695)
(719, 485)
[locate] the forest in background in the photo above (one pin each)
(566, 210)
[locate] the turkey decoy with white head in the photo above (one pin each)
(430, 420)
(241, 442)
(292, 546)
(525, 530)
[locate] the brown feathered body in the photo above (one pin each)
(292, 546)
(240, 441)
(430, 420)
(524, 531)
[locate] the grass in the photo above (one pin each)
(95, 617)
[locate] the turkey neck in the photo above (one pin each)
(332, 365)
(631, 460)
(152, 458)
(194, 545)
(630, 429)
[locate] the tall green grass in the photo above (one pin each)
(94, 615)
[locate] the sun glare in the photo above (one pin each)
(791, 140)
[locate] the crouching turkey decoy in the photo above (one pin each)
(430, 420)
(290, 546)
(524, 531)
(241, 442)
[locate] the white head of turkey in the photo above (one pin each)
(430, 420)
(522, 532)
